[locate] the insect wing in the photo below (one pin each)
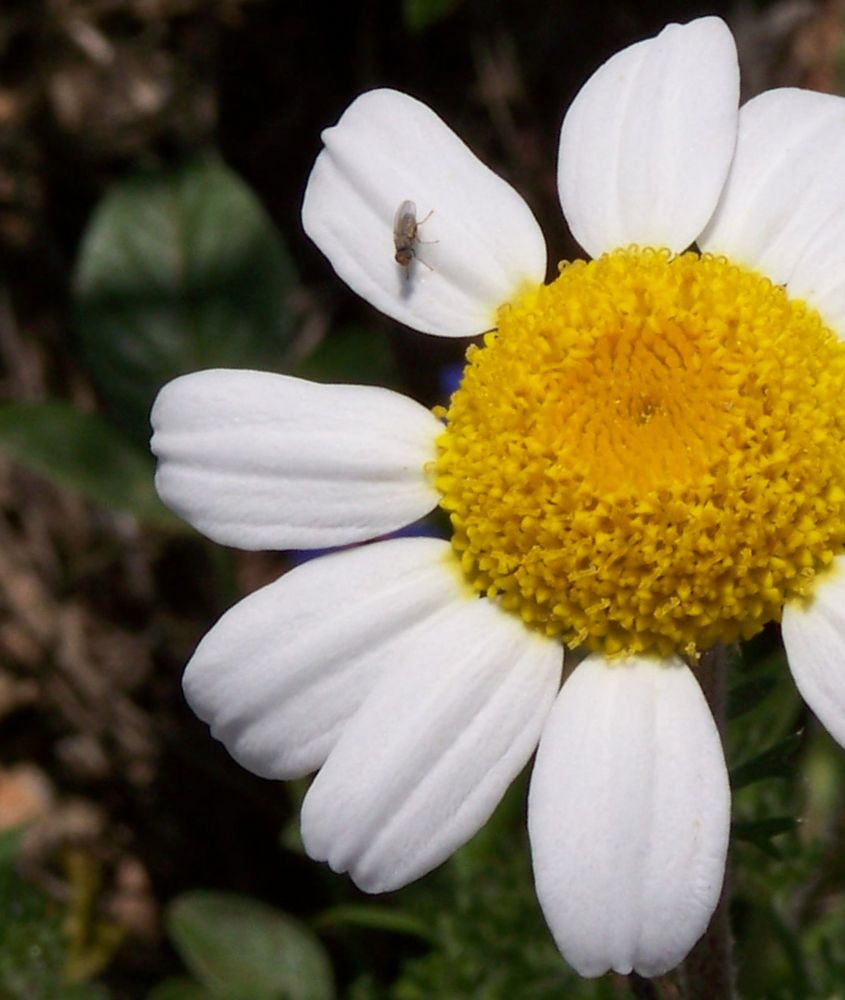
(405, 223)
(405, 234)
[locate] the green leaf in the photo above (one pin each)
(234, 944)
(352, 355)
(82, 991)
(82, 451)
(760, 832)
(749, 693)
(421, 14)
(374, 917)
(181, 989)
(34, 947)
(775, 762)
(178, 270)
(10, 841)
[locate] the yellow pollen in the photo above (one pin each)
(648, 455)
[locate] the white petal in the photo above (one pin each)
(280, 674)
(814, 638)
(267, 461)
(628, 816)
(783, 208)
(477, 247)
(422, 765)
(646, 145)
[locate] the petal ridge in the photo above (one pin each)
(630, 774)
(646, 145)
(430, 752)
(814, 638)
(278, 677)
(479, 242)
(259, 460)
(783, 208)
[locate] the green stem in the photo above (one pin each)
(708, 972)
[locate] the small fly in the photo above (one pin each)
(406, 235)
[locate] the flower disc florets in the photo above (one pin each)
(649, 453)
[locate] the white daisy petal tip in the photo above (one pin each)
(629, 813)
(279, 676)
(647, 143)
(476, 242)
(427, 757)
(814, 639)
(265, 461)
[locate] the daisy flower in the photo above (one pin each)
(645, 457)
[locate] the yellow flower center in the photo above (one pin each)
(648, 454)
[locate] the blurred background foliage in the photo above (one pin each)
(153, 155)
